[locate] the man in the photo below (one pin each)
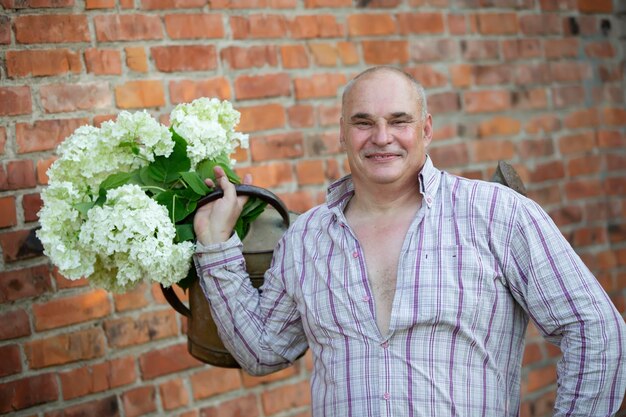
(413, 287)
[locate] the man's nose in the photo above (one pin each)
(381, 134)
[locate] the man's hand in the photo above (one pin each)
(214, 222)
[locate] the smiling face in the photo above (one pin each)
(383, 131)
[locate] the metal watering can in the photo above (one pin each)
(203, 341)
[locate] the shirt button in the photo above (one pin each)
(386, 396)
(366, 298)
(385, 345)
(355, 254)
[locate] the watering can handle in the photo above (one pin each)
(242, 189)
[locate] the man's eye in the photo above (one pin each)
(398, 122)
(362, 123)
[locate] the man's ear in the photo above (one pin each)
(427, 130)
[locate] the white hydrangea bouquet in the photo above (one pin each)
(119, 202)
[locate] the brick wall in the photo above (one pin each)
(539, 83)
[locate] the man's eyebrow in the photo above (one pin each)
(360, 116)
(401, 114)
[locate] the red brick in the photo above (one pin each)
(611, 72)
(240, 406)
(561, 48)
(183, 91)
(600, 49)
(614, 116)
(139, 401)
(286, 397)
(420, 23)
(582, 118)
(28, 392)
(434, 50)
(127, 27)
(616, 186)
(15, 101)
(319, 144)
(531, 74)
(184, 58)
(253, 4)
(14, 323)
(499, 126)
(370, 24)
(140, 94)
(261, 117)
(294, 56)
(492, 74)
(103, 61)
(194, 26)
(165, 361)
(256, 56)
(100, 377)
(615, 162)
(65, 348)
(171, 4)
(446, 156)
(310, 172)
(132, 300)
(547, 171)
(298, 202)
(580, 189)
(497, 23)
(39, 63)
(101, 407)
(577, 143)
(567, 215)
(64, 311)
(57, 98)
(428, 76)
(557, 5)
(262, 86)
(3, 139)
(540, 24)
(34, 4)
(589, 236)
(534, 148)
(492, 150)
(385, 52)
(568, 96)
(324, 54)
(20, 175)
(479, 49)
(543, 123)
(447, 102)
(215, 381)
(51, 28)
(99, 4)
(268, 176)
(129, 331)
(258, 26)
(300, 115)
(595, 6)
(173, 394)
(5, 30)
(514, 49)
(44, 135)
(315, 26)
(11, 362)
(136, 59)
(280, 146)
(530, 99)
(348, 53)
(318, 86)
(532, 354)
(8, 212)
(327, 3)
(486, 101)
(329, 115)
(24, 283)
(570, 71)
(611, 139)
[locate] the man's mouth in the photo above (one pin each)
(382, 156)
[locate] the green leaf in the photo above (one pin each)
(116, 180)
(167, 170)
(186, 282)
(185, 232)
(195, 182)
(205, 168)
(83, 208)
(177, 206)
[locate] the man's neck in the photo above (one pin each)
(384, 199)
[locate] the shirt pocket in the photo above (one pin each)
(444, 287)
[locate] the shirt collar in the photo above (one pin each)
(340, 191)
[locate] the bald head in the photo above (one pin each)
(412, 83)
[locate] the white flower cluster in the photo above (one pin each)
(132, 237)
(91, 154)
(208, 126)
(135, 230)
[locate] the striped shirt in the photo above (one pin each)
(478, 262)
